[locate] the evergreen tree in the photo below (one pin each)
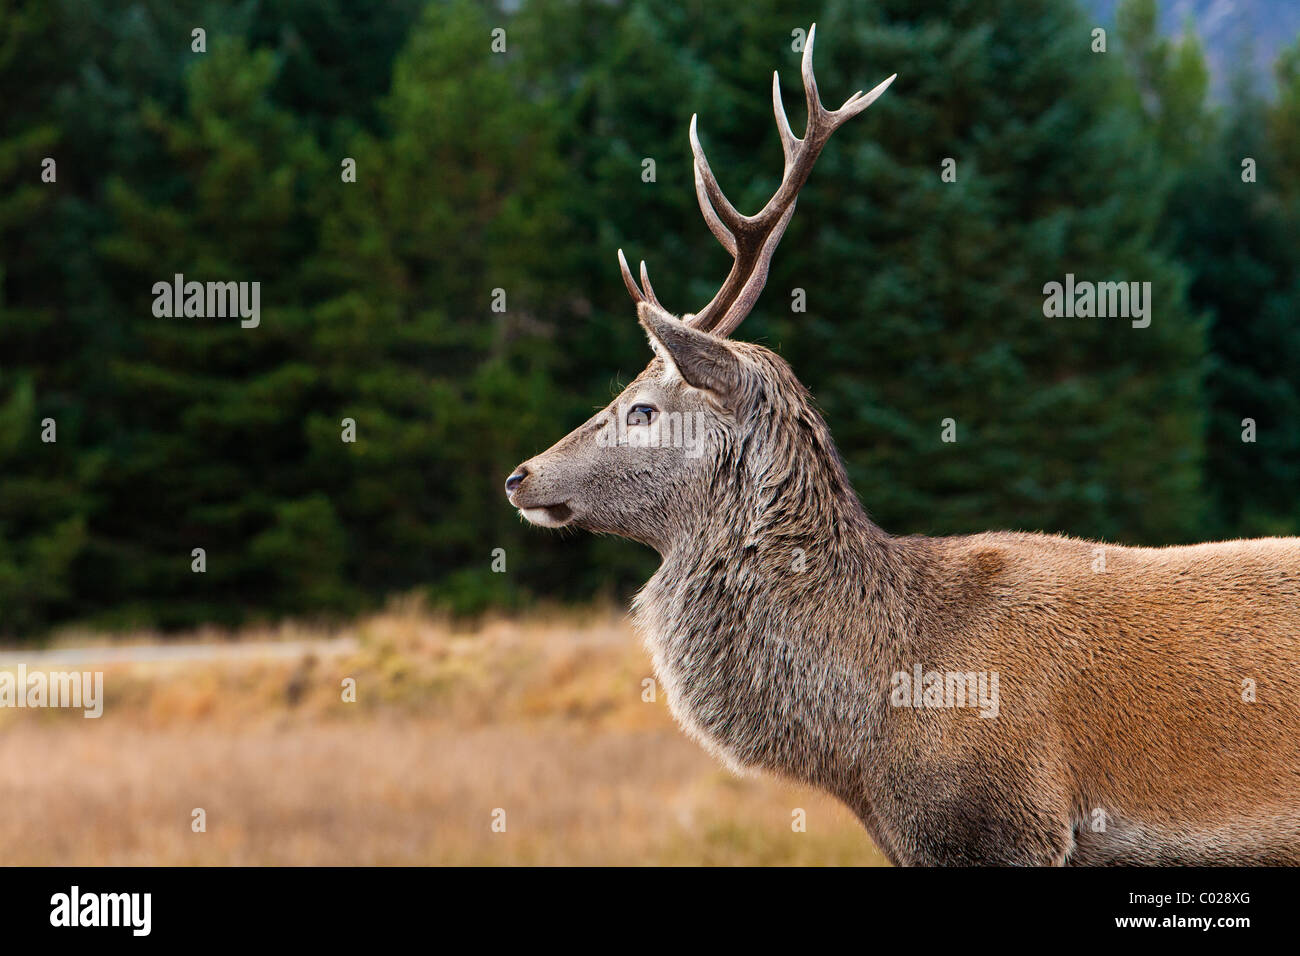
(436, 339)
(210, 443)
(43, 475)
(1229, 222)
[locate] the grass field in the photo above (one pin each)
(541, 718)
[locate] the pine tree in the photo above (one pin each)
(1228, 222)
(44, 470)
(211, 439)
(436, 339)
(1234, 221)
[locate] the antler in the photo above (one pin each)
(751, 240)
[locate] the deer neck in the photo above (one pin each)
(766, 626)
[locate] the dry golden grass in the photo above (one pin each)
(541, 717)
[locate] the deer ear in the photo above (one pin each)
(702, 360)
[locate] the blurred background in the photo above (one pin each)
(522, 170)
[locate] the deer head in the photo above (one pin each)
(710, 422)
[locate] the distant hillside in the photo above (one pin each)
(1230, 30)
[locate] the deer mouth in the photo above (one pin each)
(549, 516)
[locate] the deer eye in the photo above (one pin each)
(641, 414)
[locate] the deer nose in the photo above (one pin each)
(515, 480)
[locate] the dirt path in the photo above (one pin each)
(173, 653)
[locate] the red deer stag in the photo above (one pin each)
(1001, 698)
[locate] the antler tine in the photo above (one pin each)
(628, 281)
(648, 288)
(789, 141)
(715, 224)
(722, 207)
(859, 101)
(815, 109)
(638, 296)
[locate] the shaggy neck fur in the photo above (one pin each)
(746, 617)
